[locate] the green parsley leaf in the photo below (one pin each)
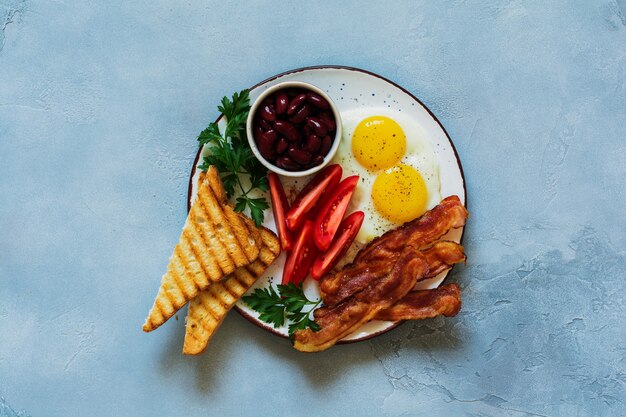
(242, 202)
(261, 183)
(268, 303)
(230, 182)
(239, 103)
(232, 156)
(257, 206)
(211, 133)
(293, 297)
(286, 305)
(302, 324)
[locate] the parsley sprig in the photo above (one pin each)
(286, 305)
(232, 156)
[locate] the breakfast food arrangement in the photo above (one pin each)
(327, 206)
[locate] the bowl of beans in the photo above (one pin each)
(294, 128)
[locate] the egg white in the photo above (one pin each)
(419, 155)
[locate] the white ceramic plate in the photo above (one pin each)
(352, 89)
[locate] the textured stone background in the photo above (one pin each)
(100, 105)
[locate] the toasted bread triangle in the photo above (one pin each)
(215, 241)
(207, 311)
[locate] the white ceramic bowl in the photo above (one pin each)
(280, 86)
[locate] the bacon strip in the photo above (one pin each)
(378, 257)
(424, 304)
(440, 257)
(338, 321)
(420, 233)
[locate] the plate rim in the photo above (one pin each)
(266, 326)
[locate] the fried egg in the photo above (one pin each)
(397, 166)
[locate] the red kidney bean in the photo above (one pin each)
(287, 163)
(266, 146)
(270, 136)
(268, 113)
(298, 155)
(307, 131)
(317, 100)
(263, 124)
(312, 144)
(301, 114)
(281, 146)
(316, 126)
(318, 159)
(326, 143)
(295, 103)
(294, 128)
(282, 101)
(288, 130)
(258, 130)
(329, 120)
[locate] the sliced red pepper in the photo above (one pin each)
(300, 259)
(306, 200)
(330, 214)
(345, 236)
(280, 206)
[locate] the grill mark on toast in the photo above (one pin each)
(237, 285)
(164, 306)
(187, 241)
(211, 241)
(221, 298)
(216, 184)
(207, 314)
(241, 224)
(238, 276)
(191, 275)
(242, 234)
(215, 241)
(216, 248)
(209, 309)
(215, 268)
(167, 293)
(255, 268)
(253, 232)
(228, 239)
(205, 325)
(183, 279)
(222, 251)
(246, 280)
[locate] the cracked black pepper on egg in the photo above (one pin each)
(397, 165)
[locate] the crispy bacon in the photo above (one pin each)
(377, 258)
(340, 320)
(442, 256)
(377, 282)
(424, 304)
(420, 233)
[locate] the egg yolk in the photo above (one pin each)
(400, 193)
(378, 142)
